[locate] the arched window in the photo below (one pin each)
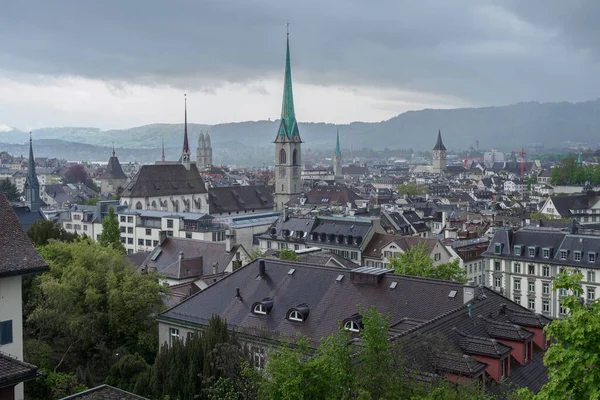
(138, 205)
(154, 204)
(260, 309)
(282, 157)
(352, 326)
(295, 316)
(176, 206)
(295, 157)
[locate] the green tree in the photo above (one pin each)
(10, 190)
(92, 202)
(574, 356)
(92, 305)
(42, 231)
(416, 261)
(255, 253)
(288, 255)
(411, 189)
(111, 232)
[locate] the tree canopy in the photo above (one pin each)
(90, 306)
(42, 231)
(570, 172)
(411, 189)
(10, 190)
(111, 232)
(288, 255)
(416, 261)
(75, 173)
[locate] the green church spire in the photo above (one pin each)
(338, 151)
(289, 126)
(32, 185)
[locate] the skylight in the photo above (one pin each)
(452, 294)
(339, 278)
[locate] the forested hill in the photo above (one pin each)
(504, 128)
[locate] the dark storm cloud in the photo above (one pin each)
(485, 52)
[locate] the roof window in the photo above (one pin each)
(298, 313)
(263, 307)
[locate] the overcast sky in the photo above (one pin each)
(118, 64)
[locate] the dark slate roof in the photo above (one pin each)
(27, 217)
(137, 259)
(339, 226)
(199, 256)
(563, 204)
(327, 258)
(295, 230)
(458, 364)
(165, 180)
(354, 169)
(113, 169)
(17, 254)
(239, 198)
(479, 345)
(415, 221)
(330, 298)
(104, 392)
(504, 330)
(13, 371)
(330, 194)
(380, 240)
(439, 145)
(540, 239)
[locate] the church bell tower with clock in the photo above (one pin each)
(288, 174)
(439, 156)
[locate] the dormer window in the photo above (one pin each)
(352, 326)
(577, 255)
(563, 254)
(546, 253)
(591, 257)
(298, 314)
(262, 307)
(517, 250)
(497, 248)
(531, 250)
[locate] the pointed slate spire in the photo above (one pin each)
(32, 185)
(113, 153)
(439, 145)
(289, 126)
(186, 144)
(338, 151)
(163, 151)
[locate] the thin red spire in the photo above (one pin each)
(186, 145)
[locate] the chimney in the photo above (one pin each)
(228, 241)
(285, 213)
(162, 236)
(215, 268)
(444, 216)
(261, 267)
(237, 294)
(468, 292)
(179, 266)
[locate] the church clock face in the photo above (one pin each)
(436, 154)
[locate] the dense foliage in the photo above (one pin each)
(288, 255)
(570, 172)
(42, 231)
(417, 261)
(90, 308)
(411, 189)
(111, 232)
(10, 190)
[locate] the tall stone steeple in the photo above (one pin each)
(439, 155)
(337, 158)
(288, 145)
(32, 185)
(185, 153)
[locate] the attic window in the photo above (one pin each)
(259, 309)
(156, 254)
(546, 252)
(295, 316)
(563, 254)
(339, 278)
(352, 326)
(262, 307)
(298, 313)
(452, 294)
(291, 271)
(393, 285)
(517, 250)
(591, 257)
(577, 255)
(498, 248)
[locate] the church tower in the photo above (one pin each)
(439, 156)
(32, 185)
(288, 182)
(185, 152)
(207, 150)
(204, 151)
(337, 159)
(200, 152)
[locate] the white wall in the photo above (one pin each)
(11, 309)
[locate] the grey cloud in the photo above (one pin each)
(483, 52)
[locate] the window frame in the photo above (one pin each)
(6, 332)
(259, 309)
(295, 316)
(352, 326)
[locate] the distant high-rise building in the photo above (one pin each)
(32, 185)
(288, 181)
(439, 155)
(337, 158)
(204, 152)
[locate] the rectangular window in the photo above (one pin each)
(498, 248)
(497, 265)
(517, 268)
(531, 251)
(437, 257)
(354, 255)
(546, 306)
(268, 244)
(123, 240)
(148, 232)
(77, 227)
(470, 269)
(503, 370)
(577, 255)
(282, 246)
(591, 293)
(169, 223)
(531, 286)
(518, 299)
(527, 351)
(592, 257)
(188, 235)
(123, 229)
(155, 243)
(122, 218)
(591, 275)
(85, 227)
(296, 247)
(563, 254)
(148, 242)
(129, 219)
(531, 304)
(69, 226)
(497, 282)
(130, 230)
(546, 253)
(140, 242)
(531, 269)
(545, 288)
(562, 292)
(129, 240)
(173, 335)
(562, 310)
(517, 284)
(545, 270)
(387, 254)
(517, 250)
(6, 332)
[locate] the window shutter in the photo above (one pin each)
(6, 332)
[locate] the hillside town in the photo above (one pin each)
(118, 280)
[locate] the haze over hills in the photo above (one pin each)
(503, 128)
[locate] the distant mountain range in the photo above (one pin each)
(504, 128)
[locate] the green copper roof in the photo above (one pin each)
(338, 151)
(31, 174)
(289, 126)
